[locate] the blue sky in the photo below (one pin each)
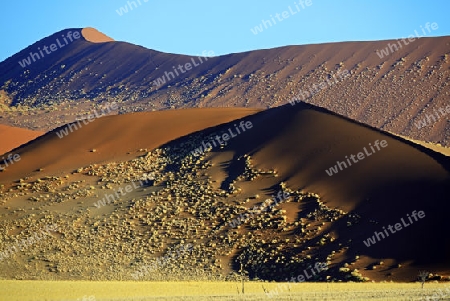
(192, 26)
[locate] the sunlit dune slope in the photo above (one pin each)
(12, 137)
(112, 137)
(93, 35)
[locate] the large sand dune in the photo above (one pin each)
(394, 90)
(301, 143)
(325, 213)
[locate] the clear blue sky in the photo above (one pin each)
(191, 26)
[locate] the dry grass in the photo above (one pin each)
(114, 290)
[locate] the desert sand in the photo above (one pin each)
(13, 137)
(194, 198)
(114, 137)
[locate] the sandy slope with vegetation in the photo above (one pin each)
(392, 93)
(193, 199)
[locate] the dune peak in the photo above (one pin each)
(93, 35)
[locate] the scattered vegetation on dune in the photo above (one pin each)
(180, 206)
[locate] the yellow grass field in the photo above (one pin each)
(11, 290)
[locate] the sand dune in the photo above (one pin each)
(395, 92)
(302, 142)
(112, 137)
(298, 142)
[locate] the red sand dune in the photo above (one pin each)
(300, 142)
(113, 137)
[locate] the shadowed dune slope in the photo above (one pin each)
(13, 137)
(301, 142)
(112, 137)
(304, 141)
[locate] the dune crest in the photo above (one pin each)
(95, 36)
